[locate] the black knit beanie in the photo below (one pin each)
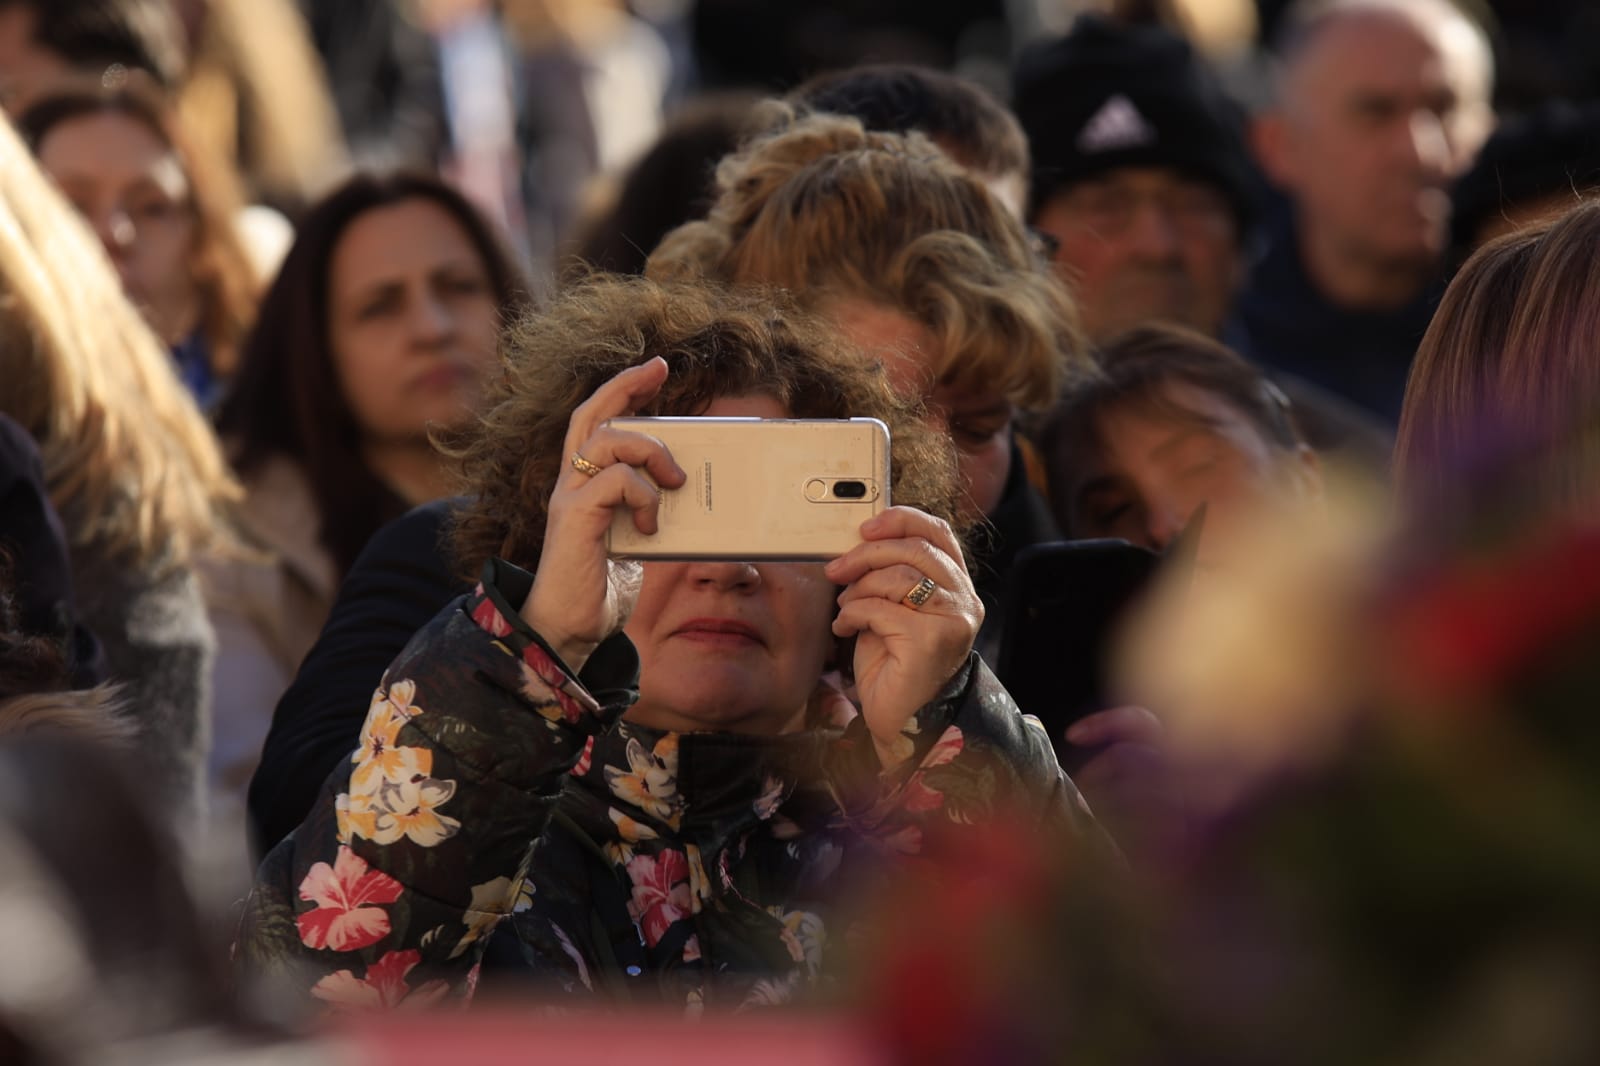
(1110, 95)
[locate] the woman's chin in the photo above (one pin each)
(728, 704)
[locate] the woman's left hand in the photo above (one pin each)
(905, 653)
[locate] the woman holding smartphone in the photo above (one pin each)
(651, 762)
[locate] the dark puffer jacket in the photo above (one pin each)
(696, 869)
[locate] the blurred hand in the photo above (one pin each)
(904, 654)
(581, 596)
(1128, 778)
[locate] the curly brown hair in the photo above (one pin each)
(717, 342)
(827, 210)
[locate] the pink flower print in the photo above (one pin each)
(907, 840)
(489, 618)
(544, 684)
(383, 988)
(348, 915)
(585, 760)
(660, 893)
(772, 790)
(919, 797)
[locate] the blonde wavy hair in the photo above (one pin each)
(829, 211)
(717, 342)
(129, 460)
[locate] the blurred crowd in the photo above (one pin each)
(1214, 690)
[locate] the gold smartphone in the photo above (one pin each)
(761, 489)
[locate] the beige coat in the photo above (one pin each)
(267, 613)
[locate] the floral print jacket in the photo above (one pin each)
(491, 786)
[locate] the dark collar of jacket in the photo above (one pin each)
(1285, 323)
(1020, 520)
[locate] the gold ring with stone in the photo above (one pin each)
(584, 466)
(919, 595)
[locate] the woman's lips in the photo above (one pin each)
(721, 632)
(440, 379)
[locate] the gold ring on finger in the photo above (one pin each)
(919, 594)
(584, 466)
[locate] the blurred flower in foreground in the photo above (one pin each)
(1255, 660)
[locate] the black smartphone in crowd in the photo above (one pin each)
(1068, 602)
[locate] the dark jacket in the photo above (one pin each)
(398, 584)
(151, 620)
(1020, 520)
(403, 577)
(694, 869)
(1284, 323)
(34, 561)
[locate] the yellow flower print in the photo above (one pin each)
(904, 746)
(699, 883)
(652, 786)
(805, 935)
(354, 816)
(489, 904)
(629, 831)
(380, 757)
(401, 693)
(410, 810)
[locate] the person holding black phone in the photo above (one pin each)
(1175, 429)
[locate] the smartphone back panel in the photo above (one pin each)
(761, 489)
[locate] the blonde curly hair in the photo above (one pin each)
(829, 211)
(717, 342)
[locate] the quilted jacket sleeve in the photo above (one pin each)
(417, 846)
(971, 756)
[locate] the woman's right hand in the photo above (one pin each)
(581, 596)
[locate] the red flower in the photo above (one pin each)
(660, 893)
(918, 796)
(345, 918)
(585, 760)
(1471, 627)
(546, 671)
(489, 618)
(383, 988)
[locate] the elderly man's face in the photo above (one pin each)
(1144, 244)
(1381, 111)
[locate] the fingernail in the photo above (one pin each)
(1076, 732)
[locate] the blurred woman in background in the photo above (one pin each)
(165, 215)
(924, 270)
(1503, 404)
(381, 325)
(1176, 422)
(135, 473)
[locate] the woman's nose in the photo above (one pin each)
(433, 322)
(1163, 523)
(115, 230)
(724, 575)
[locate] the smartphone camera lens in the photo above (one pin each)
(850, 490)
